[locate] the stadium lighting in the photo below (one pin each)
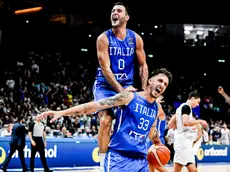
(28, 10)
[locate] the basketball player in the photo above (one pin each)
(183, 120)
(226, 97)
(116, 50)
(225, 135)
(135, 121)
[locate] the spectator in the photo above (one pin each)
(7, 132)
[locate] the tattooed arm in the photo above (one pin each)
(123, 98)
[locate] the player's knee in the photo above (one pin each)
(192, 168)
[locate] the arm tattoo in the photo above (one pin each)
(111, 101)
(76, 113)
(85, 110)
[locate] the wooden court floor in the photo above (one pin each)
(201, 168)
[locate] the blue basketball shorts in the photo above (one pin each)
(103, 91)
(115, 162)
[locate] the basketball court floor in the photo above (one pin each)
(210, 167)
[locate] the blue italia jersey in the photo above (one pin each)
(122, 53)
(133, 123)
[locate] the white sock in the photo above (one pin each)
(102, 159)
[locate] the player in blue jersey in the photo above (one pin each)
(116, 52)
(135, 121)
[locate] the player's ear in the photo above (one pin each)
(149, 81)
(127, 17)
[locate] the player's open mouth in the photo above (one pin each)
(158, 90)
(114, 18)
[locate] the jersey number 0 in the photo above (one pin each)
(121, 64)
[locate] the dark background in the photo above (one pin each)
(187, 63)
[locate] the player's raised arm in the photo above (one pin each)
(225, 95)
(119, 99)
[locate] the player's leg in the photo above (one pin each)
(161, 169)
(105, 118)
(104, 134)
(191, 167)
(196, 161)
(177, 167)
(179, 159)
(183, 154)
(116, 162)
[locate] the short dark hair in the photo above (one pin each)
(194, 94)
(20, 118)
(126, 7)
(161, 71)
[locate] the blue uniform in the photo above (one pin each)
(161, 126)
(128, 148)
(122, 54)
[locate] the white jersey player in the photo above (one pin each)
(183, 121)
(225, 135)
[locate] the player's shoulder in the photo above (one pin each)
(131, 31)
(106, 33)
(136, 35)
(185, 106)
(102, 37)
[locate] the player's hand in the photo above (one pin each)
(33, 143)
(151, 168)
(130, 88)
(220, 90)
(155, 138)
(172, 125)
(204, 123)
(156, 141)
(160, 99)
(55, 114)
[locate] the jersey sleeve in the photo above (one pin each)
(185, 110)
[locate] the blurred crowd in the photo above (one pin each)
(47, 81)
(51, 81)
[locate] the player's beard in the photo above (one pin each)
(153, 95)
(153, 91)
(118, 23)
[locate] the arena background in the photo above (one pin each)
(191, 40)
